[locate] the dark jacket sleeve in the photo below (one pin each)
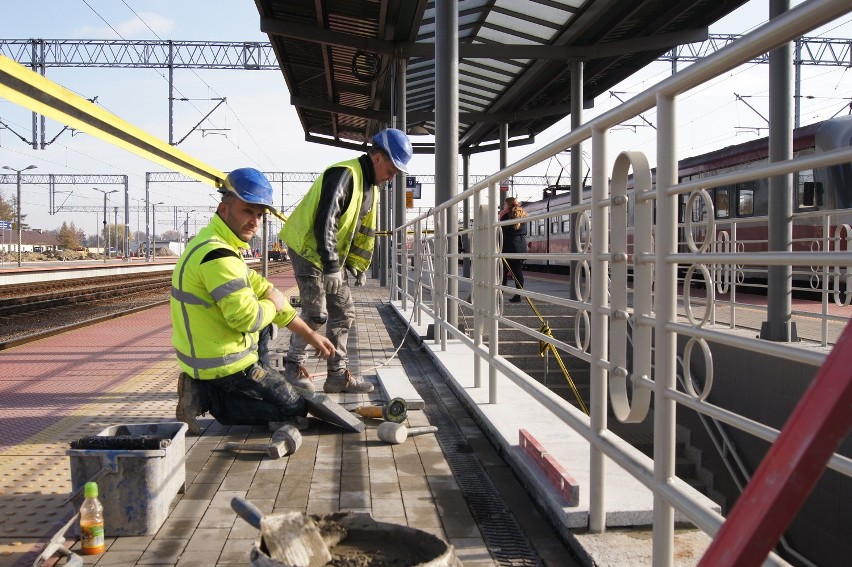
(334, 198)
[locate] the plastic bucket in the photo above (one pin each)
(138, 486)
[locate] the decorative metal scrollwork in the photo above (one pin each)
(583, 232)
(724, 272)
(582, 336)
(629, 410)
(816, 271)
(582, 281)
(709, 235)
(708, 368)
(687, 297)
(836, 271)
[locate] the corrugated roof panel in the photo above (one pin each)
(568, 3)
(531, 30)
(557, 17)
(489, 74)
(502, 36)
(321, 68)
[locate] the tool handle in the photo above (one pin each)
(412, 431)
(369, 411)
(247, 511)
(232, 446)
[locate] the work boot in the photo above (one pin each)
(189, 403)
(299, 422)
(515, 299)
(298, 377)
(343, 381)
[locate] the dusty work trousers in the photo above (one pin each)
(336, 311)
(254, 396)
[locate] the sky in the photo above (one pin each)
(258, 128)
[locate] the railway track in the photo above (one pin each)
(40, 309)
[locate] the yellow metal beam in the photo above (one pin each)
(30, 90)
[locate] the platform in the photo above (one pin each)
(454, 484)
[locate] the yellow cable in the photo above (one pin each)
(34, 92)
(544, 346)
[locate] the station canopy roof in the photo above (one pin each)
(337, 58)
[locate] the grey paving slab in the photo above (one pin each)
(334, 471)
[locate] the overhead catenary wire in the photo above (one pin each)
(182, 95)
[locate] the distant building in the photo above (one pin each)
(31, 241)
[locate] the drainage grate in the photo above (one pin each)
(504, 537)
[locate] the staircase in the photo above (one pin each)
(523, 351)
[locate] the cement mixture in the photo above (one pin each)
(357, 540)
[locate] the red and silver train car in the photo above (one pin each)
(822, 210)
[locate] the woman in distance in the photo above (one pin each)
(514, 242)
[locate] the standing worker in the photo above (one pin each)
(221, 314)
(334, 227)
(514, 242)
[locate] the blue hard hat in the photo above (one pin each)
(396, 144)
(250, 185)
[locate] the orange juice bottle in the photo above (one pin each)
(91, 521)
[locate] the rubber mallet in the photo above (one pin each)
(285, 441)
(396, 433)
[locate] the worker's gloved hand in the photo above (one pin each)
(332, 282)
(360, 277)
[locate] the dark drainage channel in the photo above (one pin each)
(503, 535)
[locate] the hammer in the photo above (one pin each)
(396, 433)
(285, 441)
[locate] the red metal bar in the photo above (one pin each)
(791, 468)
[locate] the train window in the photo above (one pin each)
(745, 202)
(539, 227)
(698, 212)
(566, 223)
(722, 202)
(810, 194)
(555, 224)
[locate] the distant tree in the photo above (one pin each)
(7, 211)
(68, 237)
(172, 236)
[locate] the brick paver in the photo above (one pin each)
(124, 372)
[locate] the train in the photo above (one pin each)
(822, 211)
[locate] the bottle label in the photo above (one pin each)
(92, 538)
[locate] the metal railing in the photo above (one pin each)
(621, 280)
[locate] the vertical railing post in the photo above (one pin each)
(439, 280)
(417, 272)
(665, 304)
(599, 331)
(402, 261)
(493, 269)
(478, 293)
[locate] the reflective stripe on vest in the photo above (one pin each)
(186, 298)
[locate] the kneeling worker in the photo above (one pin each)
(219, 306)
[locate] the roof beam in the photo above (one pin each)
(483, 51)
(365, 113)
(416, 116)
